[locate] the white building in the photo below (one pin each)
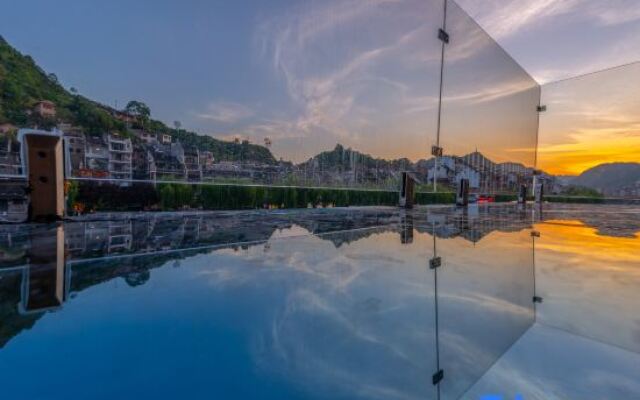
(120, 157)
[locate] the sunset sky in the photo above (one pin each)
(309, 74)
(591, 120)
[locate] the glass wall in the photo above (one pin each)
(587, 272)
(352, 102)
(485, 291)
(590, 134)
(489, 115)
(349, 95)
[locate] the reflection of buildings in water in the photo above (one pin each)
(14, 244)
(45, 279)
(120, 236)
(89, 239)
(406, 227)
(47, 285)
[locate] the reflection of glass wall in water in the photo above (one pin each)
(356, 308)
(485, 292)
(489, 111)
(336, 314)
(591, 129)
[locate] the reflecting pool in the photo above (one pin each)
(366, 303)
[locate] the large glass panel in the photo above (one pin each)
(588, 273)
(352, 101)
(590, 134)
(485, 290)
(489, 113)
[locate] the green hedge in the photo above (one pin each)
(98, 196)
(574, 199)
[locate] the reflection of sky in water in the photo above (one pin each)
(348, 315)
(296, 318)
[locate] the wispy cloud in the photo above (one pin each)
(344, 77)
(503, 18)
(519, 24)
(225, 112)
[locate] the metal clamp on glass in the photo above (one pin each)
(436, 151)
(435, 262)
(437, 377)
(443, 35)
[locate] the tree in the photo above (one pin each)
(53, 78)
(139, 110)
(73, 90)
(177, 125)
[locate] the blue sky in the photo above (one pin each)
(308, 74)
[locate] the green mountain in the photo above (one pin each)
(609, 177)
(23, 83)
(341, 159)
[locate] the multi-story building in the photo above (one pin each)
(14, 202)
(75, 145)
(189, 157)
(193, 170)
(9, 156)
(96, 158)
(142, 162)
(206, 159)
(146, 137)
(164, 138)
(120, 157)
(164, 165)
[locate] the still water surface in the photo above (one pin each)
(335, 304)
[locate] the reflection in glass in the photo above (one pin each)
(485, 292)
(44, 280)
(353, 102)
(489, 112)
(353, 311)
(591, 130)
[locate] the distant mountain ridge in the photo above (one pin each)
(609, 177)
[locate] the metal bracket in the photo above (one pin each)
(443, 35)
(436, 151)
(542, 109)
(535, 234)
(435, 262)
(537, 172)
(437, 377)
(537, 299)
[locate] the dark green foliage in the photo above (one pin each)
(94, 120)
(341, 159)
(99, 196)
(23, 83)
(575, 199)
(222, 151)
(171, 197)
(581, 191)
